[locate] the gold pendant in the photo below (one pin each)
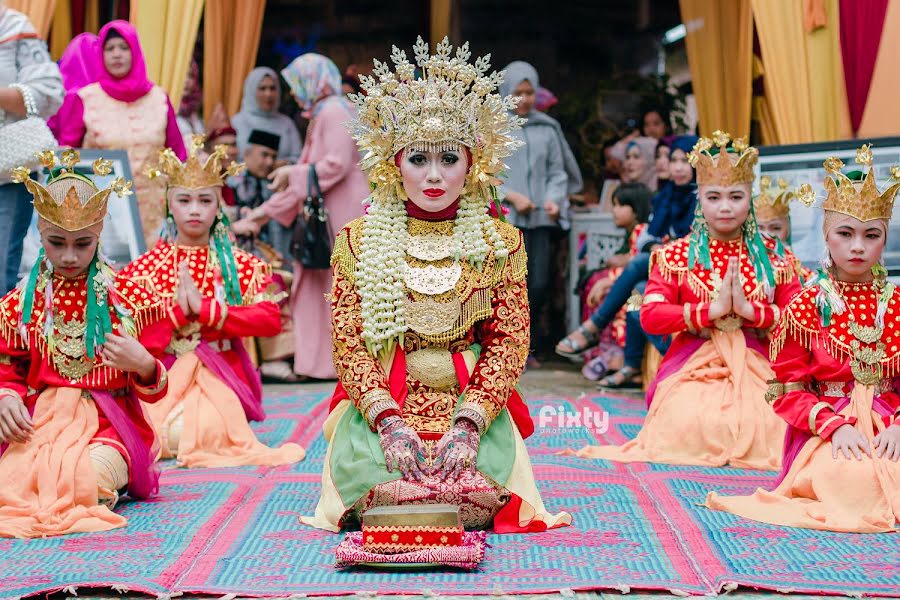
(432, 280)
(430, 246)
(72, 368)
(866, 335)
(431, 318)
(70, 354)
(866, 363)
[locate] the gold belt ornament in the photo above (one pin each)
(433, 367)
(185, 340)
(729, 323)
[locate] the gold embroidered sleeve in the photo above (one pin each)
(359, 372)
(504, 339)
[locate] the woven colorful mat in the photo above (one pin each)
(636, 527)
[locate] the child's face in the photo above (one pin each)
(776, 228)
(623, 215)
(70, 252)
(725, 208)
(194, 211)
(855, 247)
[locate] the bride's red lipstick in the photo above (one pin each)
(433, 192)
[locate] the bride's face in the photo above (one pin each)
(433, 180)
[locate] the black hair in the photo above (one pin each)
(663, 114)
(637, 196)
(112, 34)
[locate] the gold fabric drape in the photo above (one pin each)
(803, 74)
(168, 32)
(231, 32)
(881, 116)
(61, 34)
(720, 51)
(441, 11)
(39, 12)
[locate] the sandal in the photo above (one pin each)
(577, 349)
(623, 379)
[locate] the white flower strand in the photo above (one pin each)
(379, 271)
(379, 275)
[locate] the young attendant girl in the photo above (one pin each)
(773, 219)
(430, 310)
(720, 289)
(631, 207)
(215, 295)
(76, 344)
(836, 362)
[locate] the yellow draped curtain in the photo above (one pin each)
(168, 32)
(39, 12)
(881, 116)
(441, 11)
(720, 52)
(231, 32)
(805, 98)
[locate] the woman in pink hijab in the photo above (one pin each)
(123, 110)
(315, 83)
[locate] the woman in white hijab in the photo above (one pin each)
(259, 110)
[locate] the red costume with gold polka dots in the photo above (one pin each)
(214, 388)
(707, 404)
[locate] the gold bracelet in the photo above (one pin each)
(777, 389)
(654, 298)
(687, 318)
(819, 407)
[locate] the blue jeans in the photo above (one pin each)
(634, 273)
(636, 339)
(15, 217)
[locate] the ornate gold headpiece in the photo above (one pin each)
(773, 203)
(861, 198)
(191, 174)
(70, 200)
(454, 104)
(723, 169)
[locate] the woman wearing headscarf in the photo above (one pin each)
(316, 86)
(259, 110)
(79, 67)
(124, 110)
(190, 123)
(536, 186)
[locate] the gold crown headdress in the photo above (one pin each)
(721, 169)
(191, 174)
(773, 203)
(454, 104)
(70, 200)
(860, 198)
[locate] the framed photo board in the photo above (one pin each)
(802, 163)
(123, 235)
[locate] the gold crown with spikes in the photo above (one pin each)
(721, 169)
(773, 203)
(70, 200)
(454, 103)
(191, 174)
(859, 199)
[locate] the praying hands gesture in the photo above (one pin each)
(187, 295)
(15, 422)
(731, 298)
